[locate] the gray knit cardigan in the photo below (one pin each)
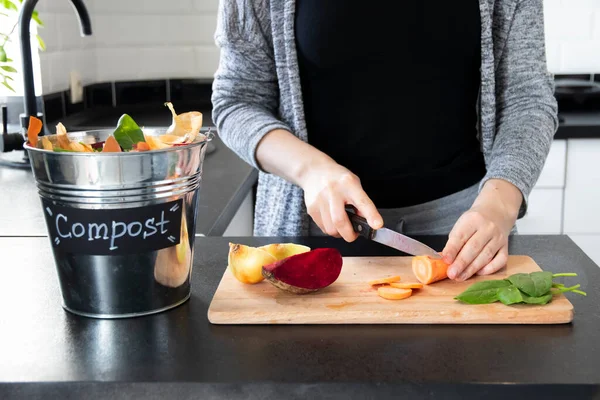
(256, 89)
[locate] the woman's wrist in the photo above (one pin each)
(503, 193)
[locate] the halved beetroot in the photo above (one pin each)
(305, 272)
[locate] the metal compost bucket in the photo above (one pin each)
(121, 225)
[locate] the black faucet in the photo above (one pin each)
(25, 14)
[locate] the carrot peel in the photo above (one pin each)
(33, 130)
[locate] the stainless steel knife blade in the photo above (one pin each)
(389, 237)
(403, 243)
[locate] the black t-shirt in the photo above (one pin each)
(392, 95)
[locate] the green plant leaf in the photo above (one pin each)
(36, 17)
(128, 133)
(483, 292)
(536, 300)
(9, 5)
(534, 284)
(41, 42)
(9, 60)
(8, 68)
(3, 57)
(8, 86)
(510, 295)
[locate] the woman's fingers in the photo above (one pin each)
(468, 253)
(497, 263)
(328, 225)
(462, 231)
(340, 219)
(486, 255)
(365, 206)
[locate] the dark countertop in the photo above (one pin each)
(226, 181)
(47, 352)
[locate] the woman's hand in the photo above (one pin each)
(478, 243)
(327, 189)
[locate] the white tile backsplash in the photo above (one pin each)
(572, 36)
(132, 39)
(141, 39)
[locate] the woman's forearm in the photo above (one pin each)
(281, 153)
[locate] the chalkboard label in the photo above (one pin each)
(113, 231)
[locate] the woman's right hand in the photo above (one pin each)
(327, 190)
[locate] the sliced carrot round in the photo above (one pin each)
(407, 285)
(392, 293)
(389, 279)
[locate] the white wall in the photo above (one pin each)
(65, 50)
(146, 39)
(572, 36)
(131, 40)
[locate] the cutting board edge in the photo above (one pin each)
(216, 319)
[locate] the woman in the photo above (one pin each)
(436, 120)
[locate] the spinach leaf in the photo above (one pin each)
(534, 284)
(483, 292)
(536, 300)
(128, 133)
(510, 295)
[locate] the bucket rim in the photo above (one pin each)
(208, 136)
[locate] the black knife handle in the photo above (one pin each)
(360, 225)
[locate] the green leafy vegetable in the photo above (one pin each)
(522, 288)
(536, 300)
(483, 292)
(128, 133)
(510, 295)
(534, 284)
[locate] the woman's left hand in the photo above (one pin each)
(478, 243)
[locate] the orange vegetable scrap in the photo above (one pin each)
(407, 285)
(111, 145)
(383, 281)
(429, 270)
(33, 130)
(392, 293)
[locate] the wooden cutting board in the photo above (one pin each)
(350, 300)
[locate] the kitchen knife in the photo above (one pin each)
(389, 237)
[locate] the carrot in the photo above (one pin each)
(111, 145)
(142, 146)
(429, 270)
(392, 293)
(407, 285)
(389, 279)
(33, 130)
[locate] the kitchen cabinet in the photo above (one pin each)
(544, 214)
(242, 222)
(582, 192)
